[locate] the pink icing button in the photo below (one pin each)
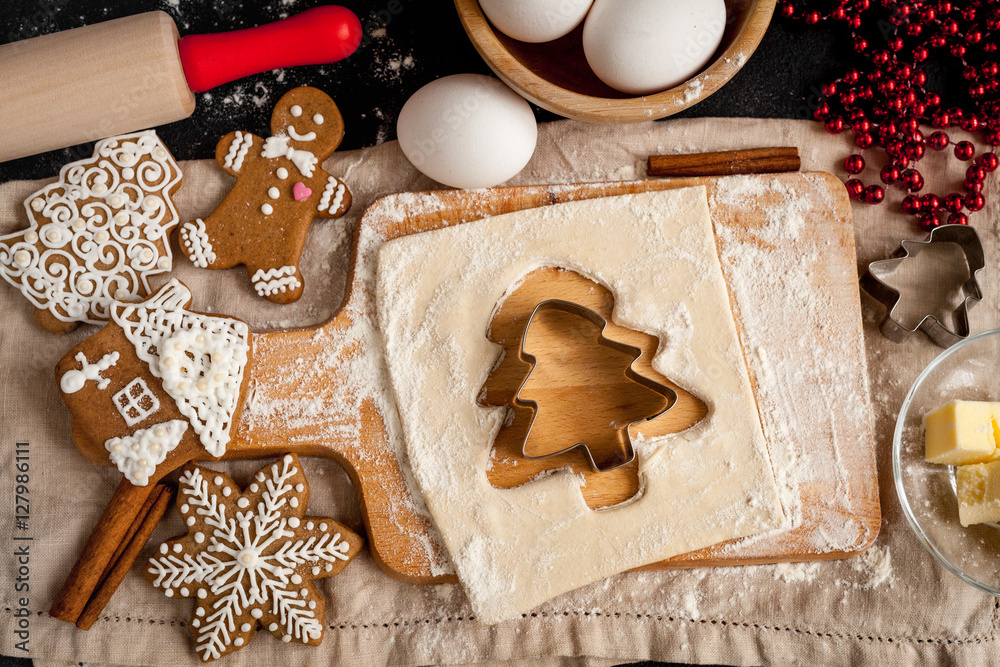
(300, 191)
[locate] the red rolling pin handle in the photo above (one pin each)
(314, 37)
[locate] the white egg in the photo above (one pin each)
(646, 46)
(467, 131)
(535, 20)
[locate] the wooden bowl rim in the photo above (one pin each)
(605, 109)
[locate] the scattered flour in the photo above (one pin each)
(794, 573)
(693, 91)
(689, 605)
(875, 566)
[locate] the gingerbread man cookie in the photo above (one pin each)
(249, 559)
(97, 234)
(280, 187)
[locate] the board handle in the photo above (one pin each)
(99, 550)
(314, 37)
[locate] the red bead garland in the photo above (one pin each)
(885, 102)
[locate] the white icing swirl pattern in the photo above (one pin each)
(238, 151)
(98, 233)
(274, 281)
(200, 359)
(334, 188)
(137, 455)
(197, 245)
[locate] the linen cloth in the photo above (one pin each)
(893, 605)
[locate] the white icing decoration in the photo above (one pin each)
(282, 173)
(238, 151)
(196, 243)
(332, 185)
(135, 402)
(308, 136)
(277, 146)
(75, 241)
(72, 381)
(296, 110)
(231, 566)
(273, 192)
(137, 455)
(318, 119)
(267, 209)
(199, 537)
(273, 281)
(200, 359)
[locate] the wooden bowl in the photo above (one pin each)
(555, 75)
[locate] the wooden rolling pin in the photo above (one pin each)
(133, 73)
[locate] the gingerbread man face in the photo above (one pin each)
(280, 187)
(312, 121)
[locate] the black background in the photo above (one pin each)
(422, 41)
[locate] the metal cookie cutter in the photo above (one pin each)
(669, 395)
(968, 240)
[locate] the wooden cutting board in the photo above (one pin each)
(839, 512)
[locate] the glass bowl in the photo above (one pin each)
(969, 370)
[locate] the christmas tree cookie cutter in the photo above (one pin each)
(625, 437)
(872, 282)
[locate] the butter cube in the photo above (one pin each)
(978, 487)
(962, 432)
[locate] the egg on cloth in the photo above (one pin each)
(647, 46)
(535, 20)
(467, 131)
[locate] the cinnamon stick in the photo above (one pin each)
(103, 543)
(724, 163)
(161, 499)
(136, 524)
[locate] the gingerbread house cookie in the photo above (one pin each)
(262, 223)
(156, 378)
(97, 234)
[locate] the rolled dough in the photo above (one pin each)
(515, 548)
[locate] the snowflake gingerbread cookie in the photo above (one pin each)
(97, 234)
(250, 559)
(263, 221)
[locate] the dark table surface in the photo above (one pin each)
(418, 42)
